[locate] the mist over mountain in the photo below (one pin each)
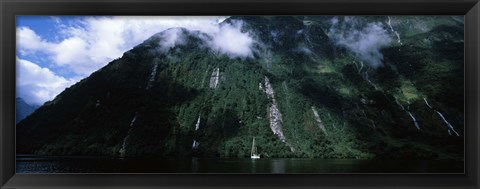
(23, 109)
(370, 87)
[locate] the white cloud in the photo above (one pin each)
(365, 40)
(227, 39)
(72, 49)
(170, 38)
(85, 45)
(28, 41)
(230, 40)
(91, 42)
(36, 84)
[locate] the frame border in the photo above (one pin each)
(11, 8)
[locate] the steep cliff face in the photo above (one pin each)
(323, 87)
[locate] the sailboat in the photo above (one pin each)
(254, 154)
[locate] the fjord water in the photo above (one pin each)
(41, 164)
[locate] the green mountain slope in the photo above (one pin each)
(321, 87)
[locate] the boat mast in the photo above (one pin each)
(253, 146)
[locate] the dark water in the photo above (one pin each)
(41, 164)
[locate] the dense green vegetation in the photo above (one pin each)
(363, 117)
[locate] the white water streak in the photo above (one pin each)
(319, 121)
(275, 115)
(426, 102)
(133, 120)
(414, 120)
(409, 113)
(365, 76)
(195, 144)
(396, 33)
(197, 125)
(373, 123)
(152, 76)
(361, 67)
(401, 106)
(214, 79)
(269, 89)
(450, 126)
(447, 123)
(124, 145)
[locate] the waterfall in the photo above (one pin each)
(396, 33)
(124, 145)
(359, 70)
(414, 120)
(214, 79)
(152, 76)
(373, 123)
(426, 102)
(133, 120)
(217, 78)
(195, 144)
(307, 47)
(197, 125)
(122, 150)
(275, 115)
(365, 76)
(319, 121)
(449, 126)
(366, 117)
(276, 121)
(401, 106)
(269, 89)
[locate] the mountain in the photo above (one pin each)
(372, 87)
(23, 109)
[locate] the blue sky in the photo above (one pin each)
(56, 52)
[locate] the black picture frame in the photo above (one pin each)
(11, 8)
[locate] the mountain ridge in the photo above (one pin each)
(23, 109)
(302, 93)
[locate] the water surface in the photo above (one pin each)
(44, 164)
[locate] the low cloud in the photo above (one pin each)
(227, 39)
(171, 38)
(365, 40)
(84, 45)
(89, 43)
(36, 84)
(231, 41)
